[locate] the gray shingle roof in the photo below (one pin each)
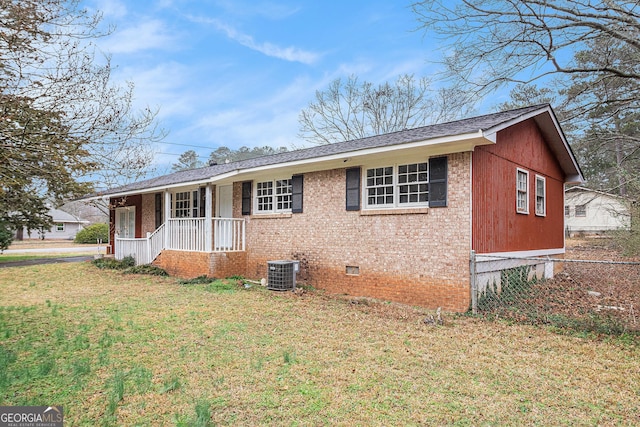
(62, 216)
(459, 127)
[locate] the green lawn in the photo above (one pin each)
(118, 349)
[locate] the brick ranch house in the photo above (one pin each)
(393, 216)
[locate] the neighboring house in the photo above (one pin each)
(393, 216)
(95, 211)
(65, 226)
(592, 212)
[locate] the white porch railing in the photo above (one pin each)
(228, 234)
(184, 234)
(144, 250)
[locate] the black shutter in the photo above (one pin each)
(195, 203)
(203, 201)
(353, 189)
(296, 193)
(246, 197)
(158, 209)
(437, 182)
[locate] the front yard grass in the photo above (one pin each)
(121, 349)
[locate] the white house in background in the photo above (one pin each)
(594, 212)
(65, 226)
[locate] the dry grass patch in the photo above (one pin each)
(120, 349)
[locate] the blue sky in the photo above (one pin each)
(238, 72)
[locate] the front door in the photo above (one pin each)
(223, 232)
(126, 222)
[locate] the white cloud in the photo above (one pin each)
(151, 34)
(111, 8)
(292, 54)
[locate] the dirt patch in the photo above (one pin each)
(598, 290)
(45, 244)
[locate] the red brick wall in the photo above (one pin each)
(184, 264)
(226, 264)
(193, 264)
(148, 214)
(420, 259)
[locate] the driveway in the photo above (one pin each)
(82, 253)
(47, 250)
(39, 261)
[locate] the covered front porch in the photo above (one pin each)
(195, 219)
(184, 234)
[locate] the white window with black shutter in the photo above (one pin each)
(405, 185)
(283, 195)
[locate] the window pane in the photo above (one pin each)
(522, 196)
(182, 205)
(264, 193)
(540, 196)
(416, 174)
(380, 185)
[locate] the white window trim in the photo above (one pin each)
(274, 201)
(174, 204)
(524, 211)
(194, 204)
(544, 196)
(58, 228)
(395, 184)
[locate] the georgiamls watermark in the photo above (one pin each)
(31, 416)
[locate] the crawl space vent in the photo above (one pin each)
(282, 275)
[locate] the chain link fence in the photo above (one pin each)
(585, 295)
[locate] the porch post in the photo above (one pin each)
(208, 219)
(167, 215)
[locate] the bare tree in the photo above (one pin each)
(348, 109)
(225, 155)
(64, 123)
(492, 42)
(525, 95)
(48, 57)
(589, 49)
(607, 108)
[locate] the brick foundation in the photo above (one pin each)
(193, 264)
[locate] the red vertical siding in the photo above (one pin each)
(496, 225)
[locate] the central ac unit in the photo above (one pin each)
(282, 275)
